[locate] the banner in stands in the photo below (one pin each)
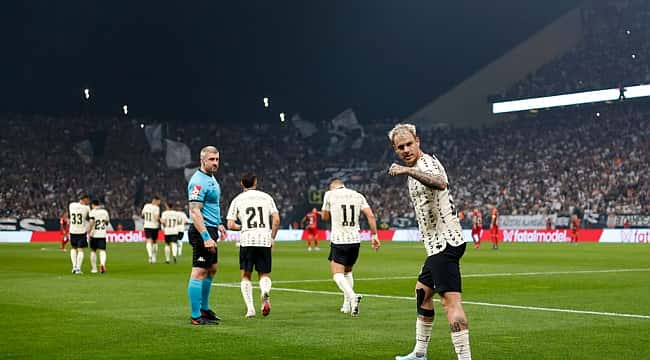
(633, 220)
(523, 221)
(639, 236)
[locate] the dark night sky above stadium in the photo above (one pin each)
(216, 60)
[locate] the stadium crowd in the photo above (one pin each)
(612, 53)
(590, 158)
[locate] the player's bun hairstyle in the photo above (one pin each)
(84, 196)
(95, 202)
(248, 180)
(155, 197)
(401, 127)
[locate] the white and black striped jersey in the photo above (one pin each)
(344, 206)
(78, 217)
(253, 209)
(151, 215)
(99, 221)
(434, 209)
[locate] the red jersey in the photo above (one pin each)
(575, 224)
(477, 220)
(312, 220)
(495, 217)
(64, 225)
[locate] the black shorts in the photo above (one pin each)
(180, 236)
(78, 240)
(201, 257)
(257, 256)
(98, 243)
(441, 272)
(344, 254)
(171, 238)
(151, 234)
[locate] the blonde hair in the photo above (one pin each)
(401, 127)
(208, 150)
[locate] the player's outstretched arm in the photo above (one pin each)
(427, 179)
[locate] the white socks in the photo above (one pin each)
(174, 249)
(154, 251)
(149, 247)
(167, 252)
(80, 259)
(350, 280)
(93, 261)
(247, 294)
(422, 337)
(180, 247)
(461, 344)
(73, 258)
(344, 285)
(265, 284)
(102, 257)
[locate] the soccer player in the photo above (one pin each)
(574, 227)
(168, 221)
(64, 226)
(494, 228)
(343, 206)
(204, 196)
(151, 215)
(442, 237)
(182, 221)
(253, 209)
(311, 225)
(477, 227)
(99, 221)
(78, 226)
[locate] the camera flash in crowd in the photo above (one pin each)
(87, 93)
(266, 102)
(125, 109)
(282, 117)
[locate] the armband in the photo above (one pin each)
(205, 235)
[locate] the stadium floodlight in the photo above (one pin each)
(570, 99)
(266, 102)
(87, 93)
(141, 125)
(125, 109)
(281, 117)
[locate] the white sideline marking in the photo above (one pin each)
(414, 276)
(410, 298)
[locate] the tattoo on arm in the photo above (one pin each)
(197, 217)
(196, 205)
(430, 180)
(458, 324)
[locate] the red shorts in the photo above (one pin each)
(476, 231)
(494, 230)
(312, 231)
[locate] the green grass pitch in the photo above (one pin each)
(512, 297)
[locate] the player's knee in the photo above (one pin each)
(420, 296)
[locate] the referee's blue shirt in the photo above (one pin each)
(204, 188)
